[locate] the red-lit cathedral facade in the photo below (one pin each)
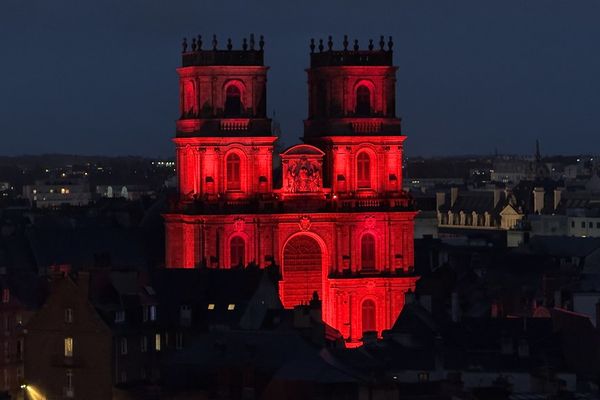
(336, 221)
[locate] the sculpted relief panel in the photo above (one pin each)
(302, 175)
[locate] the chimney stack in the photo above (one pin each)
(538, 200)
(557, 197)
(440, 200)
(453, 195)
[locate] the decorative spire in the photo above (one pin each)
(229, 44)
(199, 42)
(355, 44)
(184, 45)
(370, 44)
(330, 43)
(312, 45)
(261, 42)
(245, 44)
(390, 44)
(345, 42)
(252, 41)
(381, 43)
(214, 42)
(321, 45)
(193, 44)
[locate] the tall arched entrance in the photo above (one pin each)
(302, 270)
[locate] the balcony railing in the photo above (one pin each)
(237, 124)
(366, 126)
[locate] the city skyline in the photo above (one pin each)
(528, 73)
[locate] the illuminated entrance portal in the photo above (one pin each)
(302, 271)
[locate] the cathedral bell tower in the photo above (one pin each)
(352, 117)
(224, 141)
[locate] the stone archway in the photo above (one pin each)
(302, 270)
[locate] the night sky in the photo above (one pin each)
(98, 77)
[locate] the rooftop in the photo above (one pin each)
(194, 55)
(351, 57)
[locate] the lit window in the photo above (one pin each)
(69, 315)
(211, 306)
(34, 191)
(368, 316)
(123, 346)
(233, 172)
(237, 248)
(152, 313)
(363, 170)
(363, 101)
(231, 307)
(233, 102)
(367, 252)
(149, 313)
(157, 342)
(68, 347)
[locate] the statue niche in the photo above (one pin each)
(302, 169)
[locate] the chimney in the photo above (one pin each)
(453, 195)
(557, 197)
(440, 200)
(455, 307)
(538, 200)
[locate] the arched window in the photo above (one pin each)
(233, 172)
(189, 99)
(368, 316)
(237, 251)
(367, 252)
(233, 101)
(363, 101)
(363, 170)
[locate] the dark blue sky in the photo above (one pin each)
(98, 77)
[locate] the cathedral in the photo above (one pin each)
(336, 221)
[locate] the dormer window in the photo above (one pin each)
(363, 101)
(233, 101)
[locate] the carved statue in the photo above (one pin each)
(303, 176)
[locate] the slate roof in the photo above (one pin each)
(478, 201)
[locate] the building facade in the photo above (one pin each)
(337, 222)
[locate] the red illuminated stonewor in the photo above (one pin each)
(337, 222)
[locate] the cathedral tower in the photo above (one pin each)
(224, 141)
(338, 224)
